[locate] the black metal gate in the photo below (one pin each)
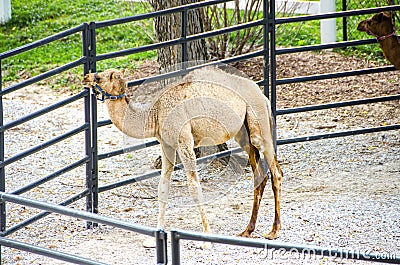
(90, 124)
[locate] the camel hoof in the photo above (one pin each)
(149, 243)
(272, 235)
(206, 245)
(245, 234)
(203, 245)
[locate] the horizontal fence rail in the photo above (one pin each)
(145, 230)
(338, 134)
(42, 42)
(155, 14)
(43, 76)
(47, 252)
(51, 176)
(201, 160)
(41, 112)
(44, 145)
(232, 59)
(41, 215)
(337, 104)
(334, 75)
(337, 14)
(179, 41)
(177, 235)
(89, 59)
(317, 77)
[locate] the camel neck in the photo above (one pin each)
(390, 41)
(130, 119)
(117, 110)
(391, 47)
(384, 37)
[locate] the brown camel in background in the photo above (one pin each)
(382, 27)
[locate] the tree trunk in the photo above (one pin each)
(169, 28)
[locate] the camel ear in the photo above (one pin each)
(97, 77)
(123, 71)
(111, 76)
(379, 17)
(387, 13)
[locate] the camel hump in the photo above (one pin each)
(258, 106)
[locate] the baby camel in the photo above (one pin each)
(382, 27)
(208, 107)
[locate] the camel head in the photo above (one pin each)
(380, 25)
(110, 83)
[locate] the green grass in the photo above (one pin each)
(34, 20)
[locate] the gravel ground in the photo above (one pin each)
(341, 193)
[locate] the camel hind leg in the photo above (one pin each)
(259, 138)
(260, 176)
(266, 146)
(276, 182)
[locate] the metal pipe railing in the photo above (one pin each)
(160, 235)
(268, 245)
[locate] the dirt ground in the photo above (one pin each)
(341, 193)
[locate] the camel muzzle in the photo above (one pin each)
(97, 90)
(101, 94)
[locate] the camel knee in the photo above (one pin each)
(193, 183)
(187, 156)
(276, 172)
(258, 142)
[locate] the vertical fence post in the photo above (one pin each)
(2, 169)
(5, 11)
(88, 134)
(175, 248)
(273, 66)
(328, 26)
(85, 48)
(266, 47)
(89, 51)
(344, 8)
(94, 190)
(161, 247)
(183, 36)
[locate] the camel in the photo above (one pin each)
(382, 27)
(208, 107)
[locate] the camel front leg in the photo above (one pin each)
(188, 158)
(197, 195)
(168, 160)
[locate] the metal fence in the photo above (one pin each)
(90, 126)
(303, 250)
(276, 82)
(349, 23)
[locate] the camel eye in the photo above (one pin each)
(97, 77)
